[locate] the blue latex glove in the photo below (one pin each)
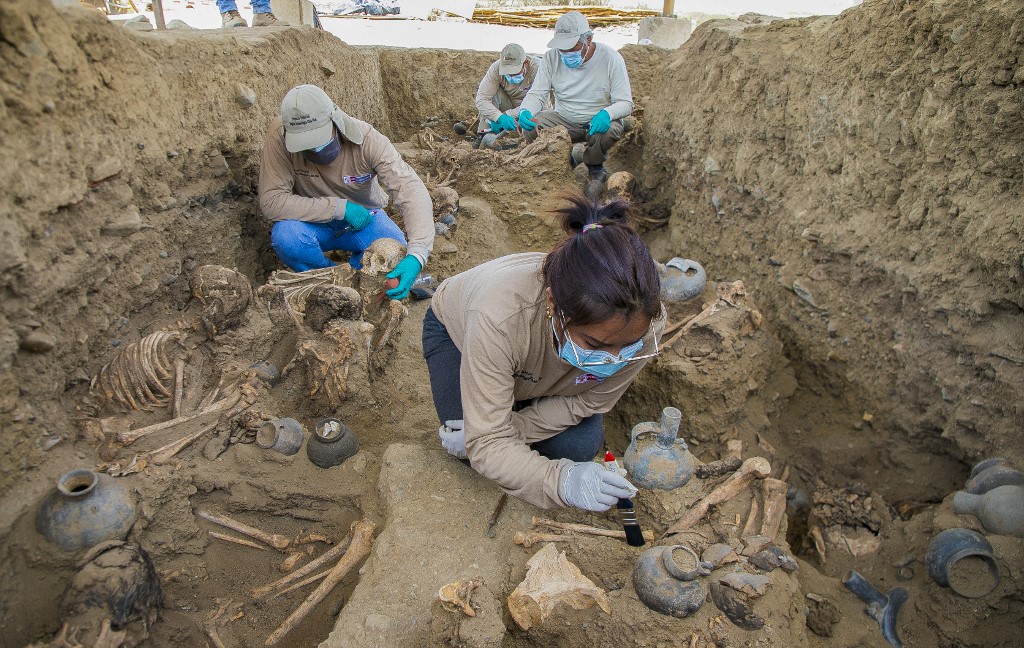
(453, 438)
(526, 120)
(357, 216)
(495, 126)
(406, 272)
(600, 123)
(505, 122)
(592, 487)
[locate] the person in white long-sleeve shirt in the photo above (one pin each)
(503, 89)
(591, 91)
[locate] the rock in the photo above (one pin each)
(711, 166)
(215, 447)
(735, 607)
(245, 96)
(750, 584)
(327, 68)
(11, 244)
(179, 24)
(104, 169)
(139, 23)
(218, 165)
(771, 557)
(621, 183)
(128, 223)
(38, 342)
(821, 616)
(552, 581)
(832, 329)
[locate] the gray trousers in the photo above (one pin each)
(596, 151)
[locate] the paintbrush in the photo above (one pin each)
(627, 513)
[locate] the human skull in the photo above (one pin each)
(382, 256)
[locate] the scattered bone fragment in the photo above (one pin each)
(334, 552)
(733, 449)
(819, 543)
(291, 561)
(239, 541)
(717, 468)
(275, 540)
(362, 538)
(552, 580)
(774, 506)
(457, 596)
(586, 529)
(531, 538)
(753, 468)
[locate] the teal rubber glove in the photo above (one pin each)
(357, 216)
(600, 123)
(495, 126)
(406, 272)
(505, 122)
(526, 120)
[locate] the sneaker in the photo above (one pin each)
(597, 172)
(267, 19)
(232, 19)
(576, 155)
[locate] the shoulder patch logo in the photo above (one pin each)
(588, 377)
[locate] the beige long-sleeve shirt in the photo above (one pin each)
(293, 188)
(495, 314)
(516, 92)
(601, 83)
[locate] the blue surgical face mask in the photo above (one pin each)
(605, 364)
(572, 60)
(324, 154)
(515, 79)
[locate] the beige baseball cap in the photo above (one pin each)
(307, 114)
(568, 29)
(512, 58)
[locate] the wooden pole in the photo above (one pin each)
(668, 8)
(158, 13)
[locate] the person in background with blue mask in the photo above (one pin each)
(503, 88)
(591, 90)
(527, 352)
(319, 185)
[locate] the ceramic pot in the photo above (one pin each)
(331, 443)
(962, 560)
(656, 457)
(992, 473)
(282, 435)
(665, 580)
(267, 372)
(85, 509)
(681, 279)
(1000, 510)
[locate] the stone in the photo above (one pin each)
(245, 96)
(327, 68)
(139, 23)
(711, 166)
(104, 169)
(179, 24)
(11, 243)
(38, 342)
(128, 223)
(770, 558)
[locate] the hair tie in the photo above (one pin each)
(591, 226)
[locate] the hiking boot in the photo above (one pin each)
(232, 19)
(576, 155)
(597, 173)
(267, 19)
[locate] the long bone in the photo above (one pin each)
(753, 468)
(275, 540)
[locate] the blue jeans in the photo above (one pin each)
(301, 245)
(444, 360)
(258, 6)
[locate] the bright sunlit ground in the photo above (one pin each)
(203, 14)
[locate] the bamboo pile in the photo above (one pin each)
(596, 16)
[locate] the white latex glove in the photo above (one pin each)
(592, 487)
(453, 438)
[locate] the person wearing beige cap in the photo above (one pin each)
(591, 90)
(320, 183)
(503, 88)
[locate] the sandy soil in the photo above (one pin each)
(868, 163)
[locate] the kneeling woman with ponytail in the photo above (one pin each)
(526, 352)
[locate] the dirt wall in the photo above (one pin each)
(863, 172)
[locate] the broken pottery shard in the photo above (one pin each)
(750, 584)
(457, 595)
(771, 557)
(856, 540)
(754, 544)
(734, 605)
(719, 554)
(551, 580)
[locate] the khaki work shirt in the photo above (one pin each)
(293, 188)
(493, 82)
(495, 314)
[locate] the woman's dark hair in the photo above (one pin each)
(605, 271)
